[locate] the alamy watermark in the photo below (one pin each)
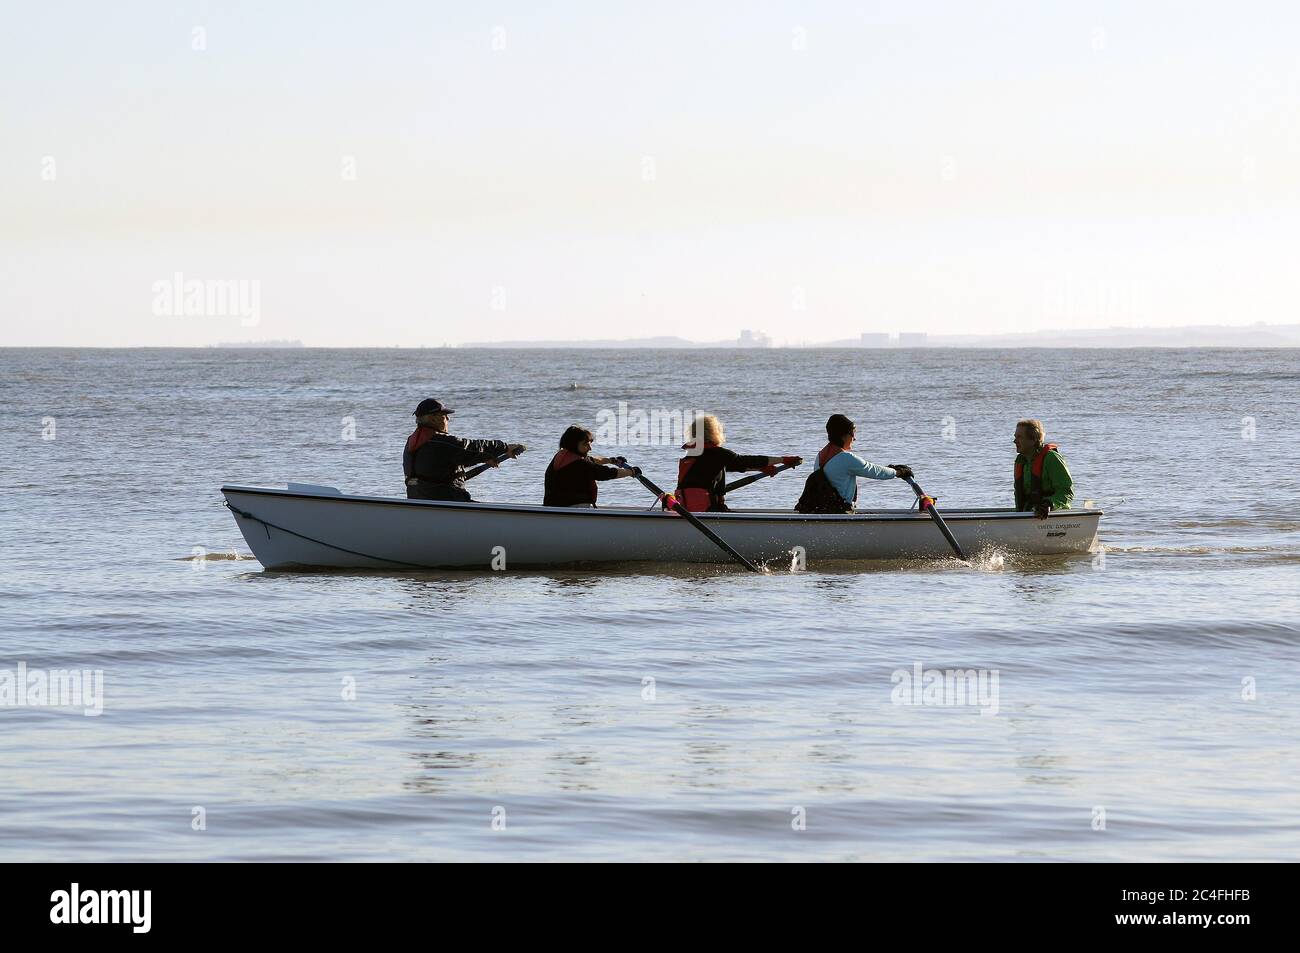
(76, 905)
(946, 688)
(57, 688)
(1097, 299)
(234, 298)
(633, 426)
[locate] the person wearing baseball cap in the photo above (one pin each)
(434, 460)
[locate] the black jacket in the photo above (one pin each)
(574, 483)
(441, 457)
(708, 470)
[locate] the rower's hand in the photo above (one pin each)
(1042, 509)
(770, 469)
(513, 450)
(903, 470)
(791, 461)
(628, 471)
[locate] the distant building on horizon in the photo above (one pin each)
(257, 344)
(754, 339)
(875, 339)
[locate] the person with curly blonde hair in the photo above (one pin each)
(701, 474)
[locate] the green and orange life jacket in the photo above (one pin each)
(1029, 500)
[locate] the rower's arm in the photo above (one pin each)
(1058, 475)
(739, 463)
(597, 471)
(872, 471)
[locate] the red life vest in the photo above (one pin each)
(419, 438)
(697, 499)
(1035, 479)
(563, 459)
(826, 452)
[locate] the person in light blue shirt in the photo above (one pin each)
(842, 468)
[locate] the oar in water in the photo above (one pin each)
(691, 518)
(927, 503)
(502, 458)
(756, 477)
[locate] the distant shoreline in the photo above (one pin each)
(1184, 336)
(258, 345)
(1187, 337)
(632, 347)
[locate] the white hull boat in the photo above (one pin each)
(311, 526)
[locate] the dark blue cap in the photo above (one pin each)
(431, 406)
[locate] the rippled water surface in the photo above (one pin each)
(1146, 703)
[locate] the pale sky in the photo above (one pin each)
(611, 170)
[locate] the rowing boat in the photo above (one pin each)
(305, 526)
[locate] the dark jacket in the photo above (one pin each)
(440, 458)
(571, 479)
(701, 479)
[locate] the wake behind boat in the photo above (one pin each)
(306, 526)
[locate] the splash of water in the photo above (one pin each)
(991, 560)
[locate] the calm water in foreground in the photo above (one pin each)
(1154, 688)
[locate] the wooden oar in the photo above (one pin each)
(928, 504)
(754, 478)
(691, 518)
(475, 471)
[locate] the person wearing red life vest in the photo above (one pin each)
(573, 473)
(433, 460)
(702, 473)
(1043, 482)
(832, 487)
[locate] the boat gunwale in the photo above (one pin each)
(654, 513)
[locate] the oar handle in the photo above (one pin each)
(499, 458)
(754, 478)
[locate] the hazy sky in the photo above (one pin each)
(420, 173)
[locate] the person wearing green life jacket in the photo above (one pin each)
(1043, 481)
